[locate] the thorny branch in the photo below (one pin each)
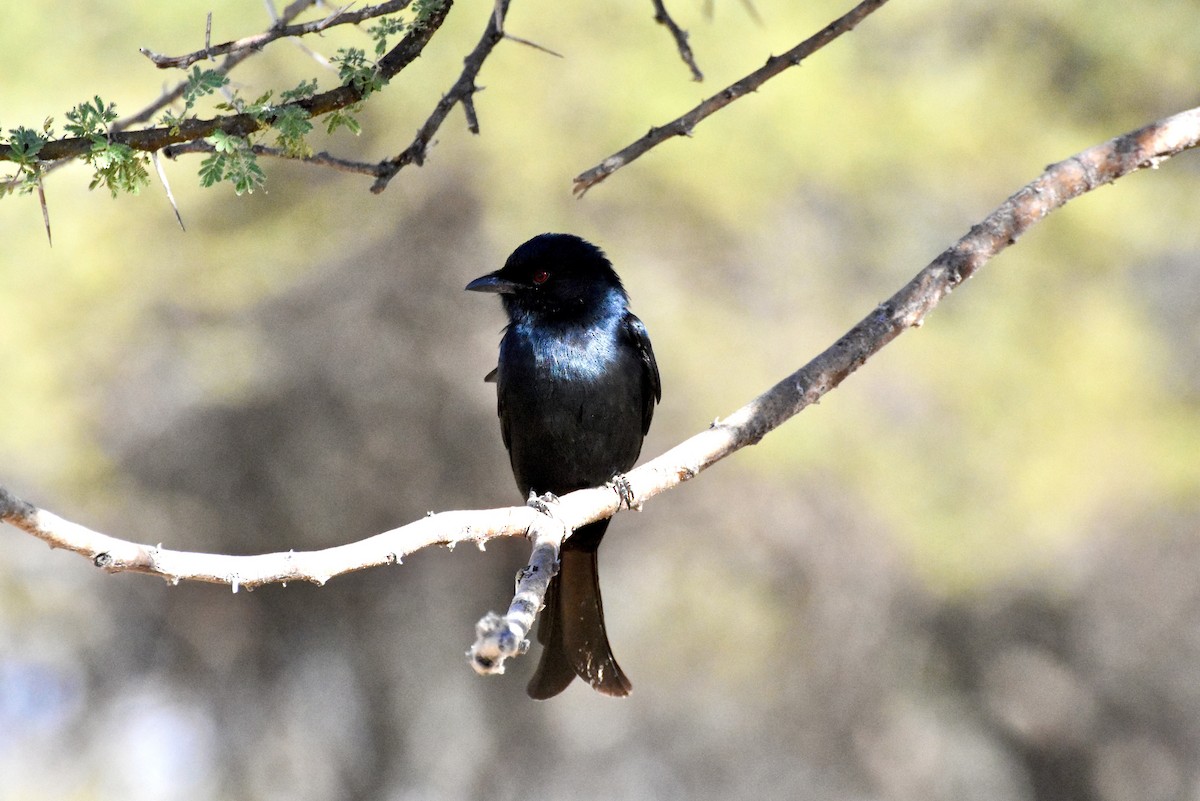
(680, 36)
(280, 30)
(462, 92)
(152, 139)
(322, 159)
(682, 126)
(173, 94)
(189, 136)
(501, 637)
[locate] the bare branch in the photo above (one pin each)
(682, 126)
(681, 38)
(500, 638)
(119, 556)
(462, 91)
(281, 30)
(322, 159)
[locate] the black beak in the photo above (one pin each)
(492, 283)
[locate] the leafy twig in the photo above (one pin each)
(322, 159)
(244, 124)
(175, 93)
(682, 126)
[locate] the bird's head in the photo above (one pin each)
(555, 276)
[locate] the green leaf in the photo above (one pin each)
(423, 10)
(117, 167)
(24, 144)
(234, 162)
(246, 175)
(380, 31)
(344, 118)
(304, 90)
(201, 83)
(212, 170)
(355, 69)
(292, 125)
(90, 118)
(224, 143)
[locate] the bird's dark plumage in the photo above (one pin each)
(576, 386)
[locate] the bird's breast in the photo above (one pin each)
(569, 355)
(571, 404)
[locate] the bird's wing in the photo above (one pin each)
(635, 334)
(504, 434)
(490, 378)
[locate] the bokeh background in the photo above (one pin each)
(973, 572)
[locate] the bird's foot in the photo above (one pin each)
(624, 491)
(542, 503)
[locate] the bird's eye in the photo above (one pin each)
(541, 277)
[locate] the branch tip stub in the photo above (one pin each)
(495, 641)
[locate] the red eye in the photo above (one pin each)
(541, 277)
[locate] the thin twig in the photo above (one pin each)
(463, 88)
(680, 36)
(682, 126)
(1060, 183)
(281, 30)
(534, 45)
(322, 159)
(176, 92)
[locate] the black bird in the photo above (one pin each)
(576, 386)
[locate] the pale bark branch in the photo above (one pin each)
(503, 637)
